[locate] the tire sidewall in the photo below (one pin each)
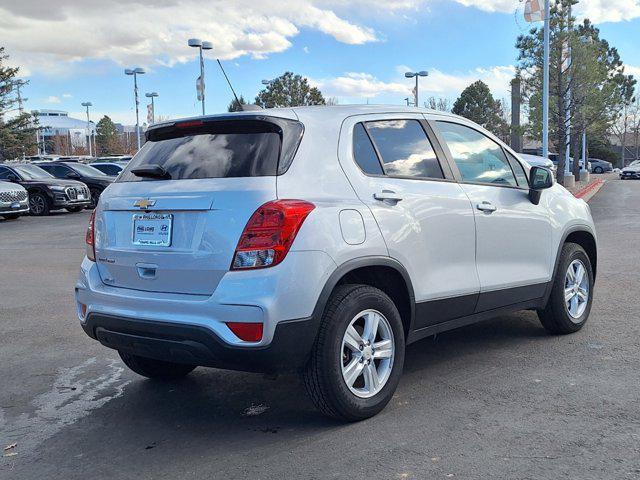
(572, 252)
(353, 304)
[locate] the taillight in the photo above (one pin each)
(269, 233)
(90, 237)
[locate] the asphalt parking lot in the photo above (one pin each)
(500, 399)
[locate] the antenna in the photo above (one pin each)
(230, 86)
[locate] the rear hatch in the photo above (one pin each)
(173, 225)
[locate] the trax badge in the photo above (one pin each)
(144, 203)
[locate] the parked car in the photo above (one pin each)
(632, 171)
(536, 161)
(14, 200)
(324, 240)
(46, 193)
(600, 166)
(92, 177)
(108, 168)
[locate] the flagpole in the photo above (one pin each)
(545, 81)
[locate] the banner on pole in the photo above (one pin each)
(200, 88)
(149, 114)
(534, 11)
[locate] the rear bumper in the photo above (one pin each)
(195, 345)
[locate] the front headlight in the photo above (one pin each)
(58, 188)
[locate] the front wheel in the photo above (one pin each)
(74, 209)
(598, 170)
(357, 359)
(158, 369)
(95, 196)
(39, 204)
(569, 305)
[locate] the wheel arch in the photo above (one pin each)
(587, 240)
(380, 272)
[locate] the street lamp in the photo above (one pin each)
(267, 82)
(200, 45)
(152, 95)
(87, 105)
(135, 72)
(416, 75)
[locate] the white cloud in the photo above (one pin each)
(155, 32)
(67, 95)
(356, 86)
(598, 11)
(52, 99)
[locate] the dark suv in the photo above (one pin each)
(92, 177)
(45, 191)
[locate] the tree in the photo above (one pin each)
(589, 87)
(289, 90)
(478, 105)
(441, 104)
(107, 136)
(17, 127)
(236, 105)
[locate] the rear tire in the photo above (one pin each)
(95, 196)
(150, 368)
(567, 310)
(598, 170)
(374, 362)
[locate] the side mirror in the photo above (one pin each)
(540, 178)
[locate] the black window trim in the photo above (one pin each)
(11, 170)
(428, 131)
(454, 166)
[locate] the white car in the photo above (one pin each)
(537, 161)
(632, 171)
(324, 240)
(14, 200)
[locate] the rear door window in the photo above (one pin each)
(405, 149)
(364, 153)
(217, 149)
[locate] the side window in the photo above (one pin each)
(4, 173)
(518, 169)
(479, 159)
(405, 149)
(364, 153)
(58, 171)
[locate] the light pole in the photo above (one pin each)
(545, 82)
(201, 45)
(416, 75)
(87, 105)
(135, 72)
(267, 82)
(152, 95)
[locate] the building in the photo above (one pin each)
(58, 125)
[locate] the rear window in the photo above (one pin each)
(218, 149)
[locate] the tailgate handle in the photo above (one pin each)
(146, 270)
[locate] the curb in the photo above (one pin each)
(590, 190)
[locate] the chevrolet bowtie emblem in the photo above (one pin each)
(144, 203)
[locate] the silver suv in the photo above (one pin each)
(14, 200)
(324, 240)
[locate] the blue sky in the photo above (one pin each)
(355, 51)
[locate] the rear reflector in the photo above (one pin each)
(247, 332)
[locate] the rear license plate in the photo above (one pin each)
(152, 229)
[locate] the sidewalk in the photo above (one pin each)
(586, 190)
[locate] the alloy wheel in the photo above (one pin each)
(367, 353)
(576, 290)
(36, 204)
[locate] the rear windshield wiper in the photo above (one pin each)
(152, 171)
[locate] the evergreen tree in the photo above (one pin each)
(236, 105)
(478, 105)
(107, 136)
(289, 90)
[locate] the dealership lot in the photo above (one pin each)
(500, 399)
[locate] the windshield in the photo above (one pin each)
(85, 170)
(217, 149)
(31, 172)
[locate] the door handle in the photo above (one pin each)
(486, 207)
(387, 196)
